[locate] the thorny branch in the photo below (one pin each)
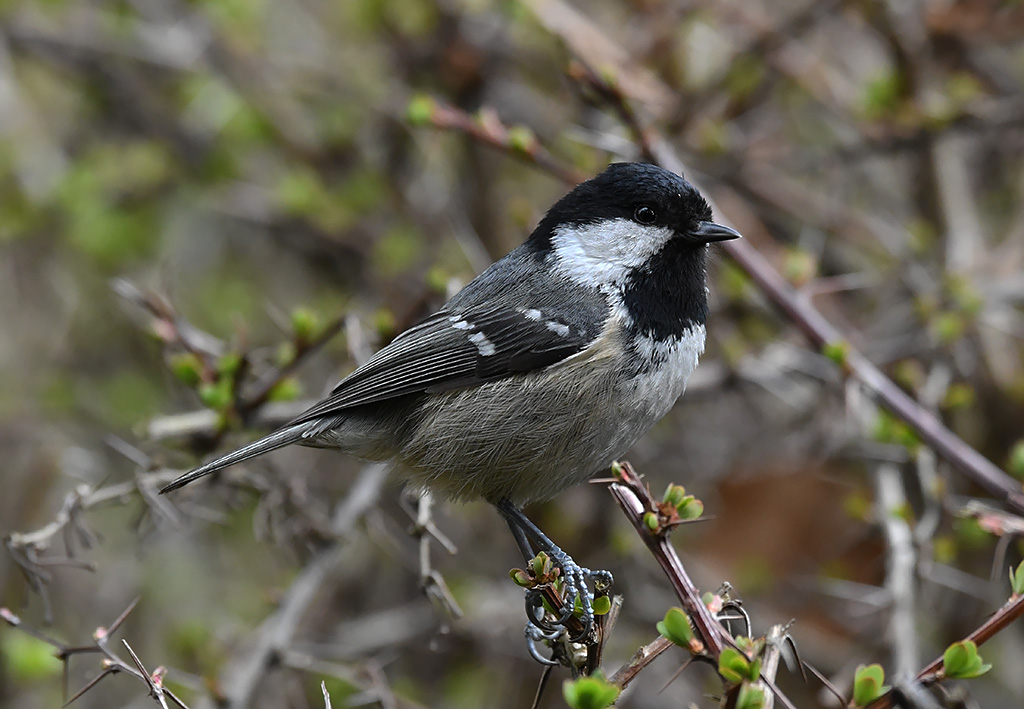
(111, 664)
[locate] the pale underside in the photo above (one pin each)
(529, 436)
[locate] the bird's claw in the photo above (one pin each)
(535, 635)
(576, 581)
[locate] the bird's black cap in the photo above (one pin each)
(618, 191)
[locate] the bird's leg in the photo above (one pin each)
(529, 537)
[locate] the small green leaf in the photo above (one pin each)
(1017, 579)
(948, 326)
(691, 508)
(540, 564)
(962, 661)
(674, 494)
(676, 627)
(651, 521)
(187, 368)
(868, 684)
(520, 578)
(1016, 466)
(287, 389)
(733, 665)
(522, 140)
(305, 324)
(216, 395)
(836, 351)
(594, 692)
(420, 111)
(601, 605)
(229, 363)
(750, 696)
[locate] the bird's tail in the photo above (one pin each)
(277, 439)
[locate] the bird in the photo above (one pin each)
(544, 369)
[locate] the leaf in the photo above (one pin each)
(593, 692)
(676, 627)
(868, 684)
(733, 666)
(750, 696)
(962, 661)
(1017, 579)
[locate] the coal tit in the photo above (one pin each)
(545, 368)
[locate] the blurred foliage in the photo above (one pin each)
(271, 167)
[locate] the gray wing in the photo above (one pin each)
(478, 337)
(457, 349)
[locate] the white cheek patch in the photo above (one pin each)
(604, 253)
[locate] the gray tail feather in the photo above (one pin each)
(275, 440)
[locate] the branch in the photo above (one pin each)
(635, 500)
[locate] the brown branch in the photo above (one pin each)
(635, 500)
(883, 390)
(487, 128)
(641, 658)
(1011, 611)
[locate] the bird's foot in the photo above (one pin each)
(571, 583)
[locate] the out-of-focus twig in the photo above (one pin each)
(241, 677)
(29, 549)
(431, 581)
(487, 128)
(112, 663)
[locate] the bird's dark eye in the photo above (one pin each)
(644, 214)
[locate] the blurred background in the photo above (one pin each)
(211, 205)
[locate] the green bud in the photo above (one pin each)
(733, 665)
(962, 661)
(229, 364)
(1016, 466)
(187, 368)
(1017, 579)
(522, 140)
(520, 578)
(750, 696)
(676, 627)
(594, 692)
(287, 389)
(420, 111)
(868, 684)
(691, 508)
(540, 565)
(674, 494)
(836, 351)
(216, 395)
(305, 324)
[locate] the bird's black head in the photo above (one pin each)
(644, 194)
(640, 231)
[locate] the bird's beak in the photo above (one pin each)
(707, 232)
